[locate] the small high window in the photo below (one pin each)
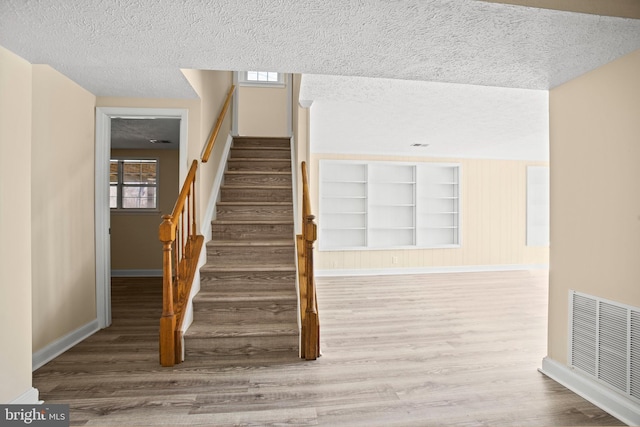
(133, 184)
(261, 78)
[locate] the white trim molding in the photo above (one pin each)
(102, 211)
(29, 397)
(59, 346)
(429, 270)
(601, 396)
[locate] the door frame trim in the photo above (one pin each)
(102, 212)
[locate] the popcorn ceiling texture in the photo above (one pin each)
(357, 115)
(136, 47)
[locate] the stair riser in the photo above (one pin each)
(258, 166)
(239, 346)
(241, 153)
(261, 143)
(285, 314)
(257, 180)
(229, 194)
(251, 231)
(264, 281)
(250, 255)
(255, 212)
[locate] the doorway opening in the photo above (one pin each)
(112, 124)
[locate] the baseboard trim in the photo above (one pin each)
(29, 397)
(614, 403)
(429, 270)
(63, 344)
(136, 273)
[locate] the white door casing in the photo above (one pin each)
(102, 211)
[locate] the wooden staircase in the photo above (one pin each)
(247, 304)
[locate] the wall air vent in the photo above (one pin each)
(604, 341)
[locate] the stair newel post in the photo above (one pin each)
(311, 324)
(167, 234)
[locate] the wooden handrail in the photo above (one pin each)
(181, 247)
(216, 129)
(310, 339)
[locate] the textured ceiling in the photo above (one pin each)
(358, 115)
(134, 134)
(136, 47)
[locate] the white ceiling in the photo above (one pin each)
(135, 48)
(356, 115)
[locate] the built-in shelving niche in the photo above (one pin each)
(385, 205)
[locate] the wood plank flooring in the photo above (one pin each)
(424, 350)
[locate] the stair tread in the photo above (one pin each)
(285, 173)
(254, 187)
(236, 243)
(205, 330)
(262, 148)
(210, 296)
(258, 203)
(207, 268)
(271, 138)
(250, 221)
(258, 159)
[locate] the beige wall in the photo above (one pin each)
(134, 236)
(300, 129)
(595, 191)
(15, 225)
(262, 111)
(493, 222)
(212, 88)
(62, 202)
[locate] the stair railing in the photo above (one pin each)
(181, 246)
(310, 334)
(218, 125)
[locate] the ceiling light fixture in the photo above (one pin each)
(420, 145)
(160, 141)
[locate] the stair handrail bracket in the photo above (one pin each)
(310, 334)
(181, 246)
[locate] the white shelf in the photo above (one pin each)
(345, 228)
(378, 205)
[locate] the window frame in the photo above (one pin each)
(120, 184)
(243, 79)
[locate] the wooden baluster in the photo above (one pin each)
(193, 201)
(167, 236)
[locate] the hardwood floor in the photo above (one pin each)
(427, 350)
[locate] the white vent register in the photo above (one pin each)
(604, 339)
